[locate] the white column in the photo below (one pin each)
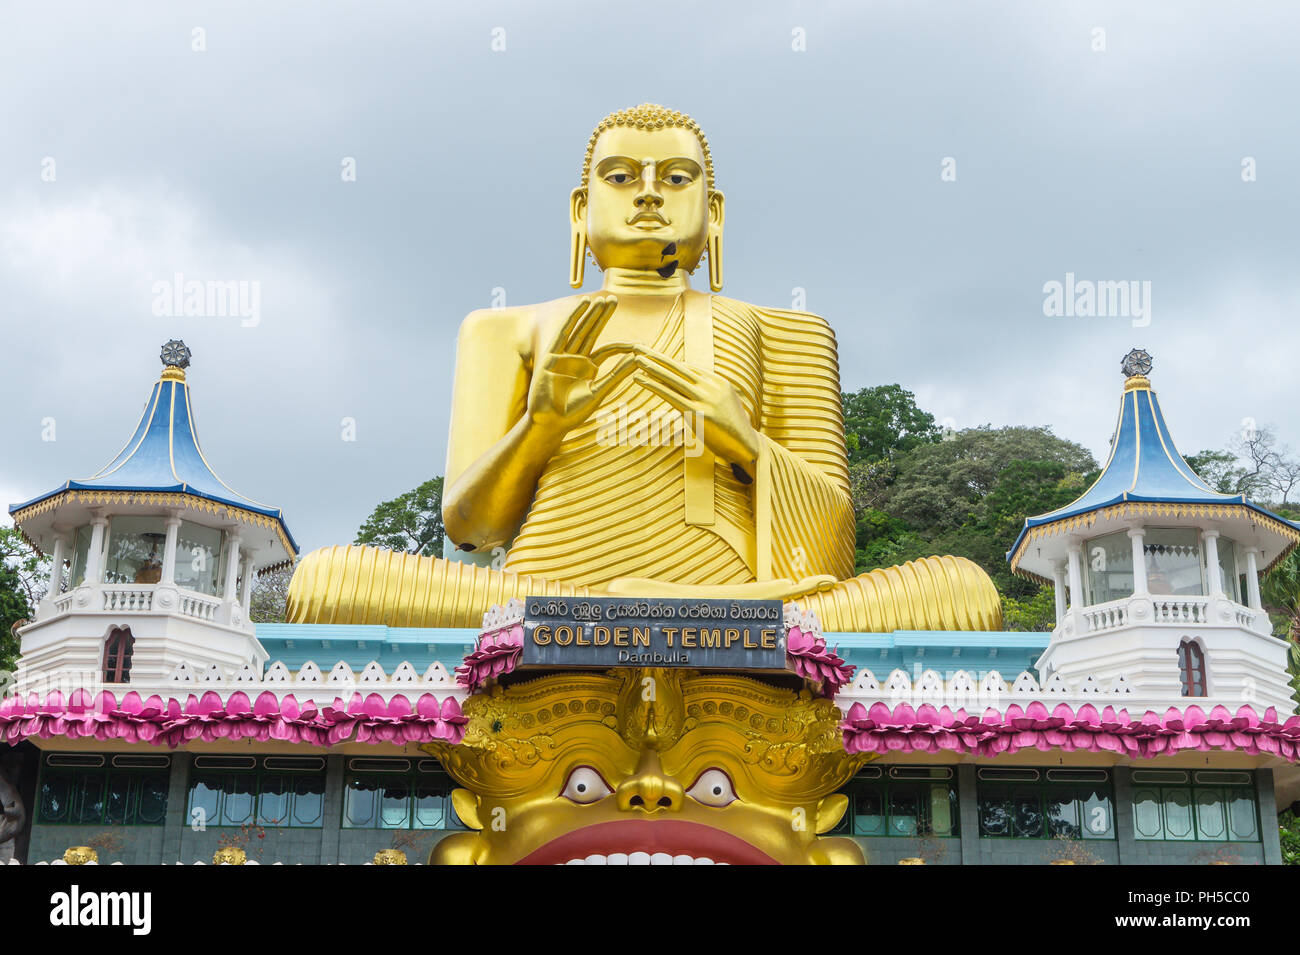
(1076, 575)
(1212, 563)
(95, 556)
(232, 568)
(1139, 561)
(1252, 579)
(56, 567)
(169, 551)
(1058, 585)
(246, 575)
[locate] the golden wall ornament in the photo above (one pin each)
(229, 855)
(648, 760)
(389, 857)
(80, 855)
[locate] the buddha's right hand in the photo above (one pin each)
(565, 389)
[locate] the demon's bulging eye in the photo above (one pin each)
(584, 786)
(713, 788)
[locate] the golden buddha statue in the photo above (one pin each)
(714, 768)
(650, 440)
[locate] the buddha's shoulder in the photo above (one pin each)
(525, 319)
(777, 320)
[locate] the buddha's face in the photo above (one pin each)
(563, 776)
(647, 203)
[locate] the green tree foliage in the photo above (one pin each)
(1289, 830)
(23, 574)
(1218, 469)
(410, 522)
(969, 495)
(882, 421)
(1036, 612)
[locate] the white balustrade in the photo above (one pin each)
(137, 599)
(1181, 610)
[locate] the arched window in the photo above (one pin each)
(1191, 668)
(117, 655)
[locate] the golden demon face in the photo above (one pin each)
(648, 766)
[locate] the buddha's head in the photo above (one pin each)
(694, 766)
(647, 200)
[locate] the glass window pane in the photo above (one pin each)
(1241, 815)
(1063, 814)
(152, 807)
(995, 814)
(55, 796)
(394, 804)
(1098, 819)
(869, 813)
(1228, 568)
(430, 806)
(360, 804)
(1178, 813)
(273, 801)
(118, 810)
(1109, 568)
(1146, 813)
(135, 550)
(308, 799)
(942, 815)
(1210, 821)
(1173, 557)
(88, 798)
(80, 551)
(201, 558)
(237, 803)
(904, 808)
(205, 801)
(1026, 814)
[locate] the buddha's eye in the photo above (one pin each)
(584, 786)
(677, 179)
(619, 178)
(713, 788)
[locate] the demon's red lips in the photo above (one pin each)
(670, 836)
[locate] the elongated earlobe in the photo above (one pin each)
(578, 237)
(716, 219)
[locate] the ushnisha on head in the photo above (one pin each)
(647, 201)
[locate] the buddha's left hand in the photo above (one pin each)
(705, 398)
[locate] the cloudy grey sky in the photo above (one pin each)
(1116, 164)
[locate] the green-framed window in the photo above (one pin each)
(283, 792)
(901, 801)
(103, 789)
(1205, 805)
(1016, 803)
(397, 794)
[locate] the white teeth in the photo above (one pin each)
(642, 858)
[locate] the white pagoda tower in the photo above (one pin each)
(1162, 573)
(153, 558)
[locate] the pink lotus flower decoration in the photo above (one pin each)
(927, 729)
(496, 652)
(368, 719)
(807, 654)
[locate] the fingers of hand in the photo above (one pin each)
(669, 376)
(626, 366)
(582, 338)
(569, 366)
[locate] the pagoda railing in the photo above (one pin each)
(139, 598)
(128, 599)
(1181, 610)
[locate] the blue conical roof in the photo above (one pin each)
(163, 454)
(1144, 464)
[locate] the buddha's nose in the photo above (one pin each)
(649, 789)
(648, 197)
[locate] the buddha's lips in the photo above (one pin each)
(670, 835)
